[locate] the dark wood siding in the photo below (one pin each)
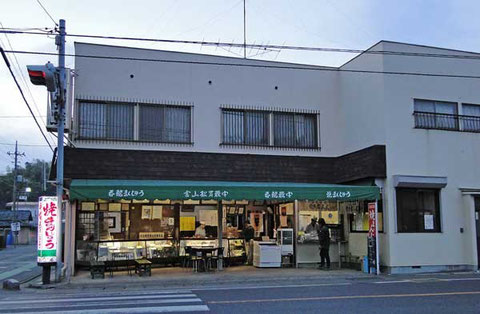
(166, 165)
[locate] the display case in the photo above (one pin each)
(236, 248)
(121, 250)
(161, 249)
(196, 243)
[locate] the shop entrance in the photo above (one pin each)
(477, 224)
(162, 221)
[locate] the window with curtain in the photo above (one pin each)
(104, 120)
(471, 117)
(165, 124)
(431, 114)
(245, 127)
(295, 130)
(418, 210)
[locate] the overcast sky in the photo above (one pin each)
(354, 24)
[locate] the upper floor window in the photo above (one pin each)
(118, 121)
(266, 128)
(471, 118)
(431, 114)
(295, 130)
(245, 127)
(443, 115)
(101, 120)
(166, 124)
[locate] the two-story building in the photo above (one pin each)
(168, 141)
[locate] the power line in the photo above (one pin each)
(23, 96)
(19, 70)
(17, 117)
(257, 46)
(13, 144)
(47, 13)
(270, 66)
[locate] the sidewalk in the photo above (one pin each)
(19, 263)
(238, 275)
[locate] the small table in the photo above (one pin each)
(97, 268)
(205, 251)
(143, 267)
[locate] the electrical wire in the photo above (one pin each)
(17, 117)
(23, 96)
(13, 144)
(476, 56)
(27, 86)
(270, 66)
(54, 22)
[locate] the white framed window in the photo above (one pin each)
(432, 114)
(104, 120)
(269, 128)
(164, 124)
(471, 117)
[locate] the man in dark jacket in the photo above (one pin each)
(324, 242)
(249, 234)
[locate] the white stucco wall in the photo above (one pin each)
(307, 88)
(420, 152)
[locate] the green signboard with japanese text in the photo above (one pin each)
(216, 190)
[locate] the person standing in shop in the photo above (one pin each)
(200, 232)
(248, 235)
(324, 243)
(312, 226)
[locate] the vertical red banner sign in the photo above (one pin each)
(47, 232)
(372, 237)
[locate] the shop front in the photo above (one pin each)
(122, 220)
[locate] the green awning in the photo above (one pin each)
(216, 190)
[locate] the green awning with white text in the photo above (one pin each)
(84, 190)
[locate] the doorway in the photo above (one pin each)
(477, 224)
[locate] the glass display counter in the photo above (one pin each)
(120, 250)
(236, 247)
(196, 243)
(157, 250)
(161, 249)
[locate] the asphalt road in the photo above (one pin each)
(19, 263)
(415, 295)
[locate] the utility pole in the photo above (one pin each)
(60, 42)
(244, 29)
(44, 177)
(16, 154)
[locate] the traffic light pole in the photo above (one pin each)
(60, 41)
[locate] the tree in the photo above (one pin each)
(32, 177)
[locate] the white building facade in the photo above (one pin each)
(421, 105)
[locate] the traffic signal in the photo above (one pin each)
(43, 75)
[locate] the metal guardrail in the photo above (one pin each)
(444, 121)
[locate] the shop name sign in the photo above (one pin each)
(47, 229)
(206, 194)
(126, 193)
(278, 194)
(338, 194)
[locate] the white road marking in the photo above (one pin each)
(459, 279)
(392, 281)
(110, 298)
(270, 287)
(122, 303)
(155, 309)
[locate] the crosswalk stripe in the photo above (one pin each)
(156, 309)
(148, 303)
(99, 299)
(104, 304)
